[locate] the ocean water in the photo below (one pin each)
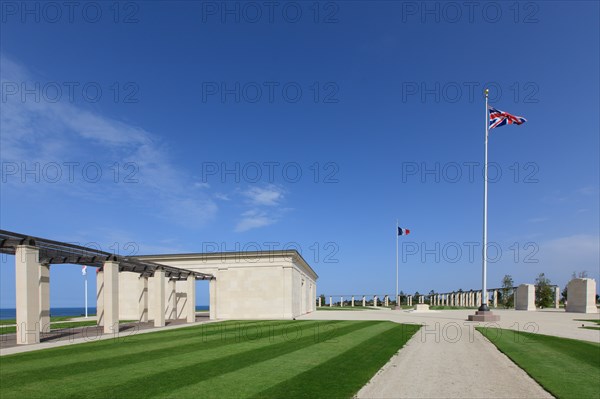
(12, 313)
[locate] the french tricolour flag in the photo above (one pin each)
(403, 232)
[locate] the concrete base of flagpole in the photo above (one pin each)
(484, 314)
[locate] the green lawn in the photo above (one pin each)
(567, 368)
(251, 359)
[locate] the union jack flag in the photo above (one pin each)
(501, 118)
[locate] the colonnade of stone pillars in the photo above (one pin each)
(33, 296)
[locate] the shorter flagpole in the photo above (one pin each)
(85, 290)
(397, 226)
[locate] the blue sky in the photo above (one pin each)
(270, 126)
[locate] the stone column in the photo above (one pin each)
(375, 301)
(557, 297)
(159, 297)
(495, 298)
(191, 299)
(352, 301)
(320, 304)
(387, 301)
(100, 297)
(479, 299)
(111, 297)
(27, 276)
(44, 288)
(212, 315)
(172, 306)
(330, 301)
(341, 301)
(364, 301)
(143, 301)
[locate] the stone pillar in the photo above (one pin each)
(27, 276)
(557, 297)
(341, 301)
(111, 297)
(581, 296)
(330, 301)
(364, 301)
(143, 301)
(172, 304)
(191, 299)
(100, 297)
(212, 315)
(495, 298)
(387, 301)
(159, 297)
(525, 297)
(479, 299)
(375, 301)
(352, 301)
(320, 304)
(44, 288)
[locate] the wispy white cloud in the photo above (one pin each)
(588, 190)
(270, 195)
(253, 219)
(44, 132)
(538, 220)
(222, 197)
(265, 207)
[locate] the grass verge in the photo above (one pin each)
(567, 368)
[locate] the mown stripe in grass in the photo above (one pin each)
(567, 368)
(95, 350)
(113, 357)
(347, 372)
(163, 383)
(259, 378)
(151, 375)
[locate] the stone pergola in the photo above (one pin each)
(33, 257)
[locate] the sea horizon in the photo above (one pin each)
(11, 313)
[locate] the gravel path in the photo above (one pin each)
(458, 362)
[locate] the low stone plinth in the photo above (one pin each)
(421, 307)
(484, 315)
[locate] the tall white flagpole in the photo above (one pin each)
(484, 299)
(397, 304)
